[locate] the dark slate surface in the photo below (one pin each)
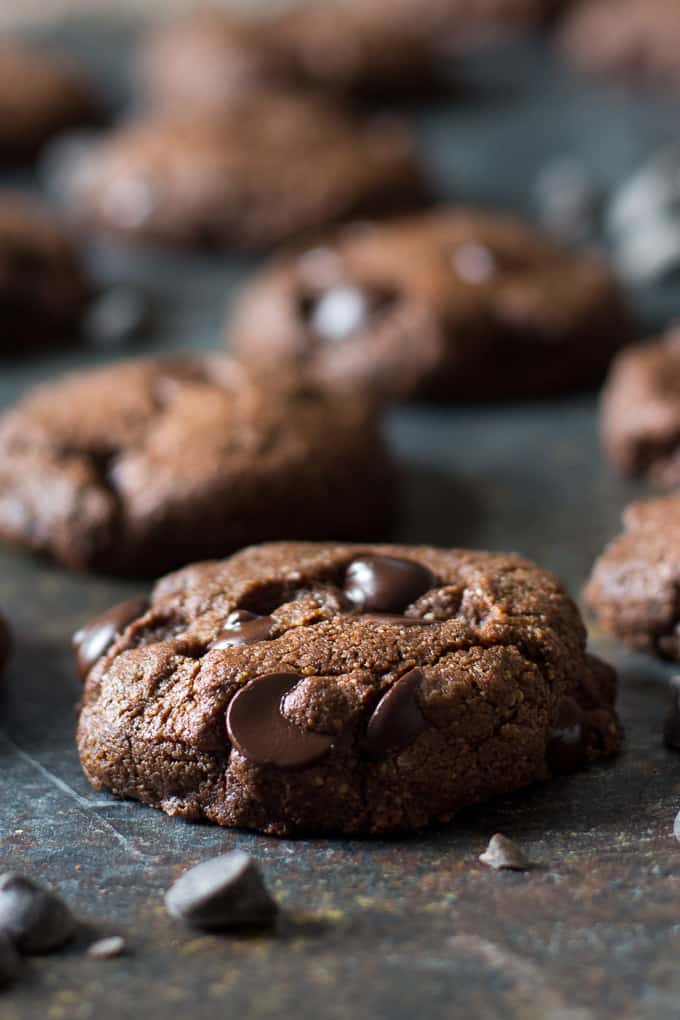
(408, 927)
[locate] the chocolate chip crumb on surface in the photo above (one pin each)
(33, 917)
(107, 948)
(302, 687)
(503, 853)
(221, 894)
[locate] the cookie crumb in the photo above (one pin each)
(503, 853)
(107, 948)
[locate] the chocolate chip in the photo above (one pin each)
(397, 718)
(339, 313)
(385, 584)
(108, 948)
(474, 263)
(9, 960)
(243, 628)
(567, 749)
(91, 641)
(34, 918)
(671, 728)
(503, 853)
(260, 731)
(221, 893)
(116, 316)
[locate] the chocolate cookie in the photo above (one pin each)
(149, 464)
(305, 687)
(456, 303)
(634, 39)
(270, 167)
(641, 410)
(40, 95)
(210, 58)
(43, 287)
(634, 585)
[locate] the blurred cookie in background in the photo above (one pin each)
(44, 289)
(452, 304)
(641, 410)
(636, 40)
(147, 464)
(40, 95)
(269, 168)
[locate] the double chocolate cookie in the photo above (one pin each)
(457, 303)
(634, 584)
(302, 687)
(145, 465)
(43, 287)
(270, 167)
(210, 58)
(40, 95)
(641, 410)
(632, 39)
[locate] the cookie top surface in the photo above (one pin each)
(270, 167)
(43, 287)
(341, 687)
(147, 464)
(451, 303)
(634, 585)
(641, 410)
(635, 39)
(40, 94)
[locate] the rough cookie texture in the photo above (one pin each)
(270, 167)
(43, 287)
(641, 410)
(635, 39)
(634, 587)
(350, 710)
(451, 304)
(149, 464)
(40, 94)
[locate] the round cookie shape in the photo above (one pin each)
(631, 39)
(339, 720)
(43, 286)
(270, 167)
(640, 418)
(40, 95)
(151, 463)
(633, 588)
(457, 303)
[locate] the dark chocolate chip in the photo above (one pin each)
(397, 718)
(91, 641)
(34, 918)
(671, 728)
(260, 731)
(9, 960)
(503, 853)
(385, 584)
(567, 749)
(243, 628)
(108, 948)
(221, 893)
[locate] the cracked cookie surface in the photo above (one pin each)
(270, 167)
(458, 303)
(302, 687)
(634, 588)
(151, 463)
